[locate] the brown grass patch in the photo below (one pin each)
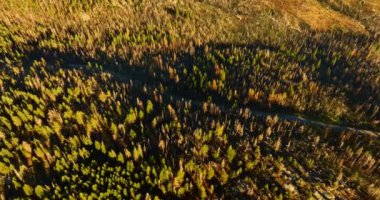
(314, 14)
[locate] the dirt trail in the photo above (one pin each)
(291, 117)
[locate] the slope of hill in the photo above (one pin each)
(212, 99)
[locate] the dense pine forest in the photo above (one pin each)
(193, 99)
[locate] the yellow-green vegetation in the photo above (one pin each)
(188, 100)
(334, 76)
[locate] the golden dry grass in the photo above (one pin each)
(314, 14)
(210, 14)
(369, 5)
